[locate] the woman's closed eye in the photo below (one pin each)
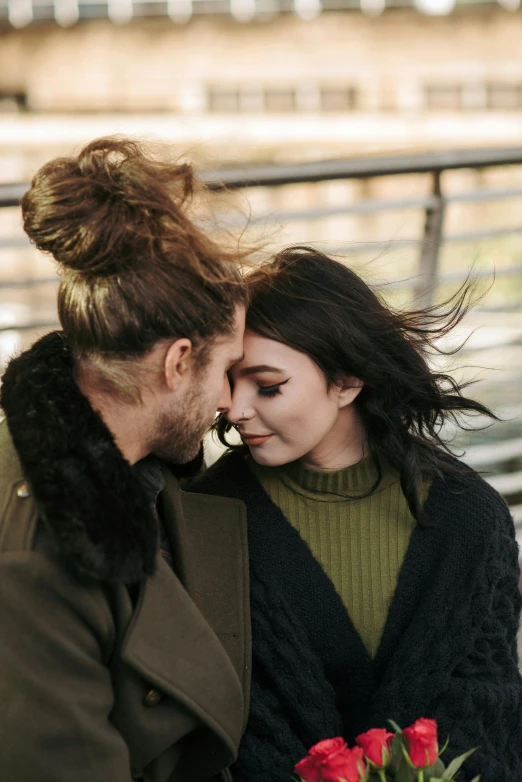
(273, 389)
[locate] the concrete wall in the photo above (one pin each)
(153, 64)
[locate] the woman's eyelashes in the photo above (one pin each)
(272, 390)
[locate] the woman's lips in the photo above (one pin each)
(255, 439)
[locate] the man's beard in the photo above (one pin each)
(177, 436)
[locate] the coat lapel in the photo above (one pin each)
(417, 574)
(190, 633)
(217, 575)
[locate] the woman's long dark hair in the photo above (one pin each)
(322, 308)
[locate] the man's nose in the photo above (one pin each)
(226, 397)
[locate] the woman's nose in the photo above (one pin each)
(238, 410)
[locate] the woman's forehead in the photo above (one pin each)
(263, 352)
(257, 346)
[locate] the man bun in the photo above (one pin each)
(98, 213)
(138, 264)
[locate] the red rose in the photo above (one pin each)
(423, 748)
(348, 765)
(310, 768)
(324, 749)
(376, 744)
(330, 761)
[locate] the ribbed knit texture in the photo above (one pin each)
(360, 541)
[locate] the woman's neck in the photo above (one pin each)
(344, 445)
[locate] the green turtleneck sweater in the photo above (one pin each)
(360, 542)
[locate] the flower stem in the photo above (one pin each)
(420, 775)
(382, 775)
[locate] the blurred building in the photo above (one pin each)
(258, 79)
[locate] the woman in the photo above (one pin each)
(384, 572)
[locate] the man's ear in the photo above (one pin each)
(178, 361)
(349, 389)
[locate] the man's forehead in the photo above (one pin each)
(231, 346)
(237, 352)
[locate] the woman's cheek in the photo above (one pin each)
(294, 429)
(289, 416)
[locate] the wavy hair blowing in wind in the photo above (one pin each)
(321, 307)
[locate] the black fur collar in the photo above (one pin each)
(86, 492)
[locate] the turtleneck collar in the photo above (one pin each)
(331, 485)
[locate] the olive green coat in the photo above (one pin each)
(102, 680)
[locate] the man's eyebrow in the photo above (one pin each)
(259, 368)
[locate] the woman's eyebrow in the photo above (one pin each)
(258, 368)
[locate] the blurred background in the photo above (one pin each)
(386, 132)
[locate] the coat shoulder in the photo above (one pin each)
(18, 510)
(471, 511)
(10, 467)
(468, 497)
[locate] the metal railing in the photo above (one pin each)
(434, 205)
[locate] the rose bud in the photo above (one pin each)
(421, 737)
(376, 744)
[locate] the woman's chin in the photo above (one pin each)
(268, 459)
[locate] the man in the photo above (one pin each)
(124, 620)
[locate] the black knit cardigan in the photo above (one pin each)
(448, 649)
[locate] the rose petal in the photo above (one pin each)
(348, 764)
(308, 769)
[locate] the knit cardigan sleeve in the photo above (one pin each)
(464, 673)
(482, 702)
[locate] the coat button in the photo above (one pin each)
(23, 491)
(153, 697)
